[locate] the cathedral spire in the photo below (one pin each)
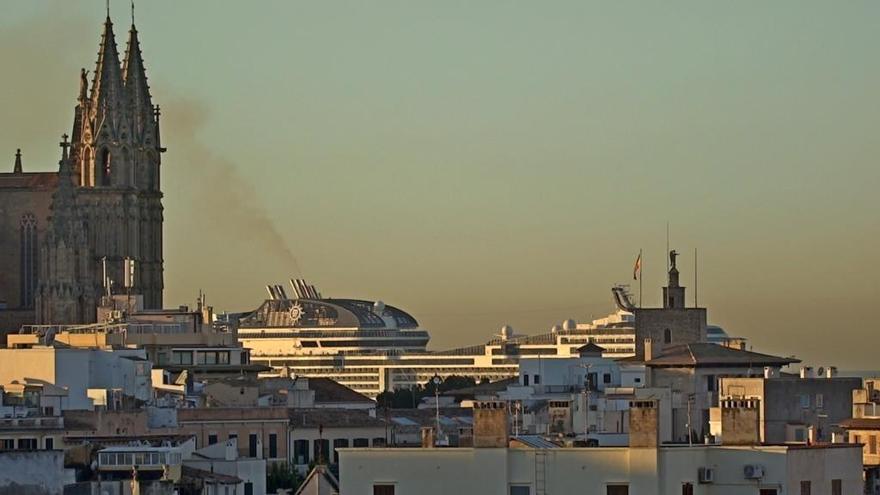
(136, 88)
(106, 95)
(17, 168)
(64, 199)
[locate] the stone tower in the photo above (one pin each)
(674, 323)
(66, 291)
(117, 152)
(115, 155)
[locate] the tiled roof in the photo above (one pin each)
(706, 354)
(861, 424)
(190, 472)
(328, 391)
(332, 418)
(231, 413)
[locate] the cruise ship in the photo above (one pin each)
(371, 346)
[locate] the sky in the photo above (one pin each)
(500, 162)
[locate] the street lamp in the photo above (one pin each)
(436, 381)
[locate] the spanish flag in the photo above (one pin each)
(637, 268)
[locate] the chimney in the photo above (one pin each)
(649, 349)
(771, 372)
(490, 424)
(644, 423)
(739, 422)
(807, 372)
(831, 372)
(427, 437)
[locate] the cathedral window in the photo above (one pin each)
(105, 167)
(85, 169)
(28, 261)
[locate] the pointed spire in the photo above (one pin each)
(107, 83)
(135, 79)
(64, 198)
(17, 168)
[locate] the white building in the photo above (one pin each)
(501, 465)
(702, 469)
(223, 458)
(89, 375)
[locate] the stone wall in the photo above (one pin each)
(33, 472)
(685, 326)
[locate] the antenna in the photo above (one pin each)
(132, 12)
(108, 8)
(696, 301)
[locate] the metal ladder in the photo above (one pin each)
(540, 472)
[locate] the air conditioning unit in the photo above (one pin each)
(706, 475)
(753, 472)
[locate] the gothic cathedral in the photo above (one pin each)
(66, 235)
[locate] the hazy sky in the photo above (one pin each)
(479, 163)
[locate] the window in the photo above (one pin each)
(820, 401)
(606, 378)
(520, 490)
(273, 445)
(27, 444)
(617, 490)
(537, 379)
(800, 435)
(361, 442)
(49, 443)
(711, 382)
(805, 488)
(805, 401)
(667, 334)
(638, 380)
(182, 357)
(28, 260)
(872, 444)
(836, 487)
(378, 442)
(105, 167)
(233, 436)
(687, 489)
(339, 443)
(248, 488)
(525, 380)
(767, 491)
(384, 489)
(252, 445)
(7, 444)
(301, 452)
(212, 438)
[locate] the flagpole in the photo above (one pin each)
(641, 261)
(696, 300)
